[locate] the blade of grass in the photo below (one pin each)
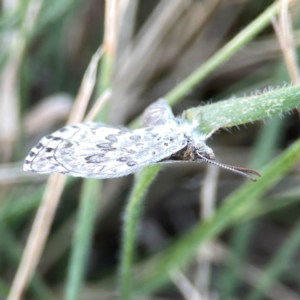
(233, 209)
(277, 265)
(239, 244)
(86, 219)
(4, 288)
(131, 220)
(91, 189)
(272, 204)
(12, 251)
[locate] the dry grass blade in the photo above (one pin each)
(13, 173)
(100, 102)
(155, 48)
(127, 12)
(284, 32)
(86, 88)
(207, 204)
(184, 285)
(14, 42)
(54, 188)
(110, 33)
(38, 235)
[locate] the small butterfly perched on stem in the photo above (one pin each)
(97, 150)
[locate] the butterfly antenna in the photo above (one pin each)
(242, 171)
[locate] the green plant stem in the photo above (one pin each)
(243, 110)
(130, 227)
(83, 235)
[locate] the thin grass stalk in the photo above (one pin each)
(207, 204)
(45, 214)
(273, 204)
(284, 31)
(11, 250)
(91, 189)
(277, 265)
(132, 216)
(234, 264)
(186, 288)
(4, 289)
(38, 234)
(84, 231)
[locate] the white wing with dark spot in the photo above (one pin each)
(158, 113)
(100, 151)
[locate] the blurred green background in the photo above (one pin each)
(45, 50)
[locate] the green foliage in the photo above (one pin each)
(238, 212)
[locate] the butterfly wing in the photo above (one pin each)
(100, 151)
(158, 113)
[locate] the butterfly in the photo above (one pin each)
(96, 150)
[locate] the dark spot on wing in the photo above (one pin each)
(153, 152)
(111, 138)
(67, 144)
(27, 162)
(135, 137)
(39, 146)
(131, 163)
(56, 138)
(123, 159)
(121, 132)
(48, 136)
(96, 159)
(104, 145)
(49, 149)
(100, 169)
(166, 144)
(31, 153)
(140, 144)
(128, 150)
(63, 129)
(108, 149)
